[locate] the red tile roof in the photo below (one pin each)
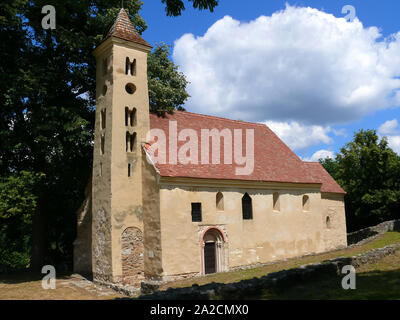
(124, 29)
(319, 173)
(273, 160)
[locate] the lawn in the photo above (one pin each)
(374, 281)
(235, 276)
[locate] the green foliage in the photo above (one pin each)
(369, 171)
(18, 202)
(47, 99)
(167, 86)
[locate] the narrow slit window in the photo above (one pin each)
(103, 119)
(129, 169)
(220, 201)
(132, 142)
(128, 137)
(247, 207)
(133, 117)
(306, 203)
(328, 222)
(196, 212)
(126, 116)
(102, 142)
(275, 200)
(105, 66)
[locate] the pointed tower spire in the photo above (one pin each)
(123, 28)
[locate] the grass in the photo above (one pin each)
(235, 276)
(374, 281)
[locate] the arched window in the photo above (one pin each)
(220, 201)
(247, 207)
(306, 203)
(328, 222)
(275, 201)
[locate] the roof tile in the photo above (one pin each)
(124, 29)
(273, 160)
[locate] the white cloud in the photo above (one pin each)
(320, 154)
(394, 143)
(391, 130)
(389, 127)
(298, 64)
(298, 136)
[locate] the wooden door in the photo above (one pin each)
(209, 258)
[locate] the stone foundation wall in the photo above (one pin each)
(357, 236)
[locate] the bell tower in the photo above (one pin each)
(122, 122)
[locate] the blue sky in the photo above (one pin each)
(329, 132)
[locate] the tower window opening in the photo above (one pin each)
(130, 117)
(129, 169)
(133, 117)
(103, 119)
(105, 66)
(102, 142)
(130, 88)
(130, 67)
(130, 141)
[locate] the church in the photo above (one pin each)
(184, 194)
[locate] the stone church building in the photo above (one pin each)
(163, 221)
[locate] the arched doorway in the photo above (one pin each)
(213, 251)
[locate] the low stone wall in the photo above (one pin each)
(274, 281)
(360, 235)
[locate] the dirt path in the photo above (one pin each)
(72, 287)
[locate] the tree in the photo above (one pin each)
(167, 86)
(369, 171)
(18, 202)
(175, 7)
(47, 99)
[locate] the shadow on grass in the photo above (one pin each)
(372, 285)
(27, 276)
